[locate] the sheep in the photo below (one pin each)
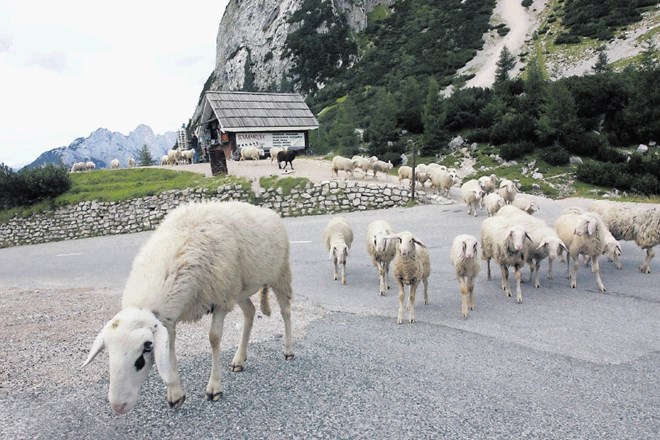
(114, 164)
(493, 202)
(442, 180)
(411, 265)
(164, 160)
(422, 174)
(365, 164)
(583, 234)
(463, 256)
(381, 250)
(404, 172)
(273, 152)
(507, 242)
(203, 258)
(287, 157)
(131, 162)
(488, 183)
(89, 165)
(252, 153)
(338, 237)
(78, 166)
(173, 157)
(343, 164)
(637, 223)
(472, 195)
(526, 204)
(383, 167)
(187, 156)
(508, 191)
(612, 249)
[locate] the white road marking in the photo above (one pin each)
(300, 241)
(72, 254)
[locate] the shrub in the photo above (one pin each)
(567, 39)
(515, 150)
(395, 158)
(32, 185)
(526, 3)
(555, 155)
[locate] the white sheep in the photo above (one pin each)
(472, 194)
(203, 258)
(364, 164)
(612, 250)
(273, 153)
(637, 223)
(173, 157)
(508, 191)
(507, 242)
(78, 166)
(187, 156)
(463, 256)
(381, 250)
(488, 183)
(114, 164)
(583, 234)
(165, 159)
(493, 202)
(526, 204)
(411, 265)
(131, 162)
(252, 153)
(340, 163)
(442, 180)
(404, 172)
(89, 165)
(338, 237)
(383, 167)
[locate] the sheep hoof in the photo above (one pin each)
(288, 357)
(382, 293)
(237, 368)
(177, 403)
(213, 397)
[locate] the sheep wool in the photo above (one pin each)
(463, 255)
(411, 265)
(338, 237)
(381, 250)
(203, 258)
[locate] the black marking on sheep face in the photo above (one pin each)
(140, 362)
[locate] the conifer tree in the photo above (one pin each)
(505, 62)
(602, 62)
(434, 116)
(145, 158)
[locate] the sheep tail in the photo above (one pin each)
(263, 301)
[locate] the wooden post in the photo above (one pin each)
(414, 176)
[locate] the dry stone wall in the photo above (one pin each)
(92, 219)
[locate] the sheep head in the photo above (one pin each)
(134, 339)
(553, 246)
(339, 252)
(469, 249)
(406, 243)
(586, 224)
(515, 237)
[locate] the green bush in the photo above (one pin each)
(640, 175)
(395, 158)
(515, 150)
(32, 185)
(555, 155)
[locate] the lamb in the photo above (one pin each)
(287, 157)
(273, 152)
(508, 191)
(343, 164)
(507, 242)
(493, 202)
(488, 183)
(582, 234)
(114, 164)
(472, 195)
(89, 165)
(526, 204)
(381, 250)
(637, 223)
(338, 237)
(383, 167)
(442, 180)
(78, 166)
(252, 153)
(131, 162)
(203, 258)
(463, 255)
(411, 265)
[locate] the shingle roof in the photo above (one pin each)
(244, 111)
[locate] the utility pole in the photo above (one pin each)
(413, 181)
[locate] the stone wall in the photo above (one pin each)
(92, 219)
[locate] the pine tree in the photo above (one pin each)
(434, 116)
(505, 62)
(602, 63)
(145, 158)
(649, 56)
(382, 127)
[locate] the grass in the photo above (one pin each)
(287, 184)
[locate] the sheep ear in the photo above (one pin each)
(542, 243)
(345, 253)
(162, 353)
(419, 242)
(332, 252)
(591, 226)
(97, 347)
(527, 235)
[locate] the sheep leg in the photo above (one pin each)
(411, 301)
(336, 273)
(617, 262)
(238, 363)
(382, 277)
(470, 288)
(572, 276)
(425, 281)
(343, 273)
(537, 282)
(595, 268)
(214, 387)
(646, 265)
(517, 273)
(284, 296)
(402, 296)
(175, 394)
(549, 268)
(532, 268)
(464, 297)
(488, 265)
(505, 279)
(386, 270)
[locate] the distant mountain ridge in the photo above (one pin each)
(103, 145)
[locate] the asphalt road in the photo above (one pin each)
(566, 363)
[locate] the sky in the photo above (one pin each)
(69, 67)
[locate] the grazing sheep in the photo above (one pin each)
(338, 237)
(203, 258)
(526, 204)
(463, 255)
(507, 242)
(165, 160)
(612, 250)
(383, 167)
(273, 152)
(493, 202)
(89, 165)
(252, 153)
(488, 183)
(381, 250)
(472, 195)
(131, 162)
(583, 234)
(78, 166)
(632, 222)
(287, 157)
(442, 180)
(508, 191)
(114, 164)
(411, 265)
(340, 163)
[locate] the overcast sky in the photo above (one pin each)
(69, 67)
